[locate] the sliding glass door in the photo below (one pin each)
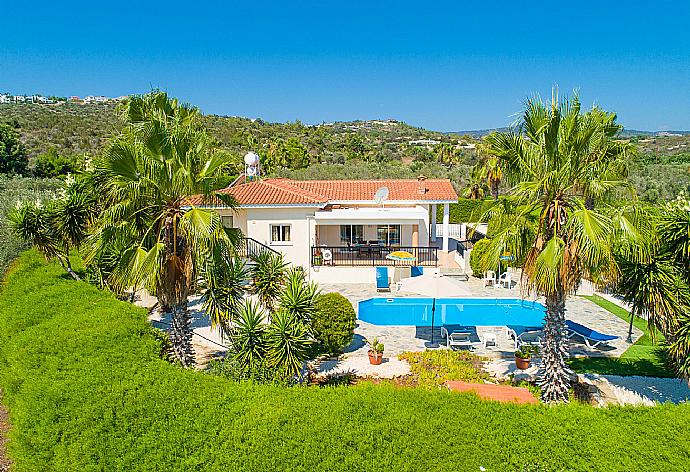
(351, 234)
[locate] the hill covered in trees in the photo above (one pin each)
(58, 138)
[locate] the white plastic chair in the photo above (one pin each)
(489, 278)
(505, 280)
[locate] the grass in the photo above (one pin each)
(87, 391)
(645, 357)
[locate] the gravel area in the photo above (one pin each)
(358, 364)
(637, 390)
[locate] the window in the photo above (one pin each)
(280, 233)
(388, 234)
(227, 221)
(351, 234)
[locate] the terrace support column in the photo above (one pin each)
(433, 222)
(415, 235)
(446, 220)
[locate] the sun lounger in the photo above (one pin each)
(525, 335)
(591, 337)
(460, 336)
(382, 282)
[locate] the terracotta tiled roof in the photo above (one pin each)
(320, 192)
(399, 189)
(267, 192)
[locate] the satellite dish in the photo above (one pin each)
(381, 195)
(251, 171)
(251, 158)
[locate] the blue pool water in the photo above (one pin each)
(463, 311)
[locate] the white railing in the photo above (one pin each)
(455, 231)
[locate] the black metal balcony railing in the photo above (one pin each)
(250, 248)
(371, 255)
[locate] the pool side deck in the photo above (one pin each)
(398, 339)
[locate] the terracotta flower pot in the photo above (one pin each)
(375, 358)
(522, 364)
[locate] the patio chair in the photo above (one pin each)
(460, 336)
(525, 335)
(327, 257)
(489, 278)
(382, 282)
(505, 280)
(591, 337)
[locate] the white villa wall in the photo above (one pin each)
(297, 251)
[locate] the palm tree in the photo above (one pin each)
(476, 190)
(548, 225)
(489, 170)
(146, 175)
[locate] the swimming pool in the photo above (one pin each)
(463, 311)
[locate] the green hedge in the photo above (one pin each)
(465, 211)
(87, 391)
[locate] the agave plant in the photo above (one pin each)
(299, 296)
(268, 278)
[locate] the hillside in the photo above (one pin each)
(357, 149)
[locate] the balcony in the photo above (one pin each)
(371, 255)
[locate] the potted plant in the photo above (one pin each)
(523, 356)
(318, 258)
(375, 351)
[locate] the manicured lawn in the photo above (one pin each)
(645, 357)
(87, 391)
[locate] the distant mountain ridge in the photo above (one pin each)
(478, 133)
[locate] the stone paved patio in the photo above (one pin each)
(398, 339)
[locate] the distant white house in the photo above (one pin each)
(96, 99)
(336, 229)
(423, 142)
(5, 99)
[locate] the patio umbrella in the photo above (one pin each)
(435, 286)
(400, 256)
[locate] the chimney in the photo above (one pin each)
(421, 186)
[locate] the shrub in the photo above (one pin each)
(478, 251)
(333, 321)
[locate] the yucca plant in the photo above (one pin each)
(56, 226)
(289, 342)
(249, 341)
(298, 296)
(268, 275)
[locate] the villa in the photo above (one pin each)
(340, 230)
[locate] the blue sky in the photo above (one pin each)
(446, 66)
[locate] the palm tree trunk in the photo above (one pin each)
(181, 335)
(555, 375)
(494, 189)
